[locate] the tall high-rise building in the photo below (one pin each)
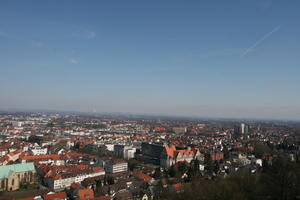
(242, 129)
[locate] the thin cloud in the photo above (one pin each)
(206, 54)
(221, 52)
(84, 34)
(266, 36)
(90, 34)
(3, 34)
(74, 61)
(265, 4)
(37, 44)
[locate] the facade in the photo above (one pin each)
(244, 161)
(152, 152)
(43, 159)
(17, 123)
(13, 176)
(123, 151)
(10, 157)
(85, 194)
(242, 129)
(39, 150)
(53, 196)
(142, 176)
(179, 130)
(257, 162)
(116, 166)
(216, 156)
(110, 147)
(60, 181)
(171, 155)
(3, 152)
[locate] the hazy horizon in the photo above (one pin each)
(237, 59)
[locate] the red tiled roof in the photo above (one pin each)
(75, 185)
(84, 193)
(172, 152)
(177, 186)
(59, 195)
(98, 169)
(103, 198)
(142, 176)
(40, 157)
(15, 152)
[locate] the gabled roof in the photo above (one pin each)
(142, 176)
(84, 193)
(172, 152)
(40, 157)
(54, 196)
(7, 170)
(103, 198)
(177, 186)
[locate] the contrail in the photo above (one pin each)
(260, 40)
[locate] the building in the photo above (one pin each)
(115, 166)
(17, 123)
(38, 150)
(171, 155)
(85, 194)
(43, 159)
(244, 161)
(110, 147)
(55, 196)
(257, 162)
(123, 151)
(13, 176)
(139, 175)
(10, 157)
(60, 181)
(216, 156)
(179, 130)
(242, 129)
(152, 152)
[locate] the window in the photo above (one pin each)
(2, 184)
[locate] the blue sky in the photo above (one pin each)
(196, 58)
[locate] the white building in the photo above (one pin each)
(17, 123)
(116, 166)
(61, 182)
(123, 151)
(244, 161)
(179, 130)
(257, 161)
(38, 150)
(170, 155)
(201, 167)
(110, 147)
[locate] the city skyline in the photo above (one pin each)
(237, 59)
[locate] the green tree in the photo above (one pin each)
(260, 149)
(195, 166)
(132, 164)
(157, 173)
(281, 179)
(110, 180)
(172, 171)
(182, 167)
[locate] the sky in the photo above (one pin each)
(229, 59)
